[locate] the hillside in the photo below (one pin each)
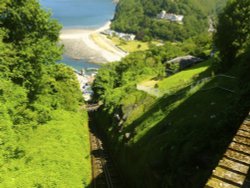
(43, 133)
(171, 130)
(162, 142)
(139, 17)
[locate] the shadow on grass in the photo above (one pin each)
(105, 173)
(184, 147)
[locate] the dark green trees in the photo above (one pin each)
(233, 31)
(139, 17)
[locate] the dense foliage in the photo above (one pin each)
(115, 80)
(139, 17)
(233, 32)
(176, 139)
(43, 135)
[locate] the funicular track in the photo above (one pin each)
(104, 173)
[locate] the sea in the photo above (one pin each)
(79, 14)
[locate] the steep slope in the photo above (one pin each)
(43, 133)
(175, 140)
(176, 135)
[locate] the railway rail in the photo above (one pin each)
(104, 174)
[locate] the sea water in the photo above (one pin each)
(80, 14)
(78, 64)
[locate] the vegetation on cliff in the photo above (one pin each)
(176, 139)
(43, 134)
(140, 17)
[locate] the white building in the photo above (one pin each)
(124, 36)
(161, 15)
(170, 16)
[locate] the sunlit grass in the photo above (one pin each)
(132, 46)
(182, 78)
(173, 83)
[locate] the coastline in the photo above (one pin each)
(91, 45)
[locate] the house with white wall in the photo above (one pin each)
(170, 16)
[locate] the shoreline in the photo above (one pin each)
(90, 44)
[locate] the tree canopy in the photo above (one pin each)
(233, 31)
(139, 17)
(43, 135)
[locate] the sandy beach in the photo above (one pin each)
(90, 45)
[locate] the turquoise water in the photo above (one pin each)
(80, 14)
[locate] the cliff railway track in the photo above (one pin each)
(104, 173)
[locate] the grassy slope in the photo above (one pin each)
(56, 155)
(181, 134)
(177, 81)
(184, 78)
(132, 46)
(177, 140)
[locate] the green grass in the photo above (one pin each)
(177, 81)
(168, 85)
(176, 140)
(181, 136)
(57, 154)
(183, 78)
(132, 46)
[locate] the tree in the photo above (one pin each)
(233, 31)
(32, 36)
(139, 17)
(41, 126)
